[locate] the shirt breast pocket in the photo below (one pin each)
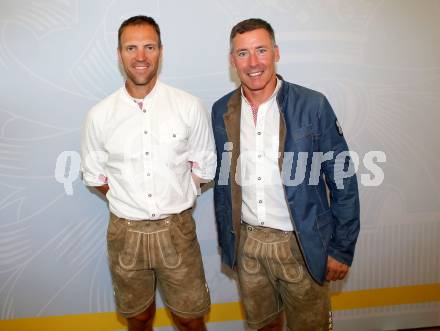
(173, 141)
(173, 136)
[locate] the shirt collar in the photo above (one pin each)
(145, 100)
(277, 88)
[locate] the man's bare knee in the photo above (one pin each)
(189, 324)
(142, 321)
(147, 314)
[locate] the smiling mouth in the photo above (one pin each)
(255, 74)
(141, 67)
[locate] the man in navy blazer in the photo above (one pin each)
(286, 195)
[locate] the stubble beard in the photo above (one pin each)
(141, 81)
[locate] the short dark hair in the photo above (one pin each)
(139, 20)
(251, 24)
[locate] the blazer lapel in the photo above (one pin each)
(232, 124)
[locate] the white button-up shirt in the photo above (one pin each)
(264, 203)
(147, 155)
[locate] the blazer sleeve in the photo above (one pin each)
(341, 180)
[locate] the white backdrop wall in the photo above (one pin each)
(378, 62)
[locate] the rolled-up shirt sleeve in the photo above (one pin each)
(93, 154)
(201, 144)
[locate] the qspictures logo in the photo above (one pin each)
(301, 168)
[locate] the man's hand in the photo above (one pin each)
(103, 189)
(198, 182)
(335, 269)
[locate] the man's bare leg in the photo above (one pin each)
(189, 324)
(143, 321)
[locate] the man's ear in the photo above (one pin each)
(231, 60)
(277, 53)
(118, 53)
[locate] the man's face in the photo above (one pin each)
(140, 55)
(254, 56)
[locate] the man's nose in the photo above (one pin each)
(253, 59)
(140, 55)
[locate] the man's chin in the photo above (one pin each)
(255, 87)
(143, 81)
(140, 80)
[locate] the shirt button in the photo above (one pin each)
(148, 174)
(260, 201)
(259, 156)
(147, 153)
(145, 132)
(150, 195)
(153, 215)
(144, 111)
(259, 133)
(174, 135)
(259, 178)
(262, 223)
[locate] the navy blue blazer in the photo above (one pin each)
(324, 206)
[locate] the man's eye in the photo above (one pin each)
(261, 51)
(150, 48)
(130, 48)
(242, 54)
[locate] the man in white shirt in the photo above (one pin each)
(147, 148)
